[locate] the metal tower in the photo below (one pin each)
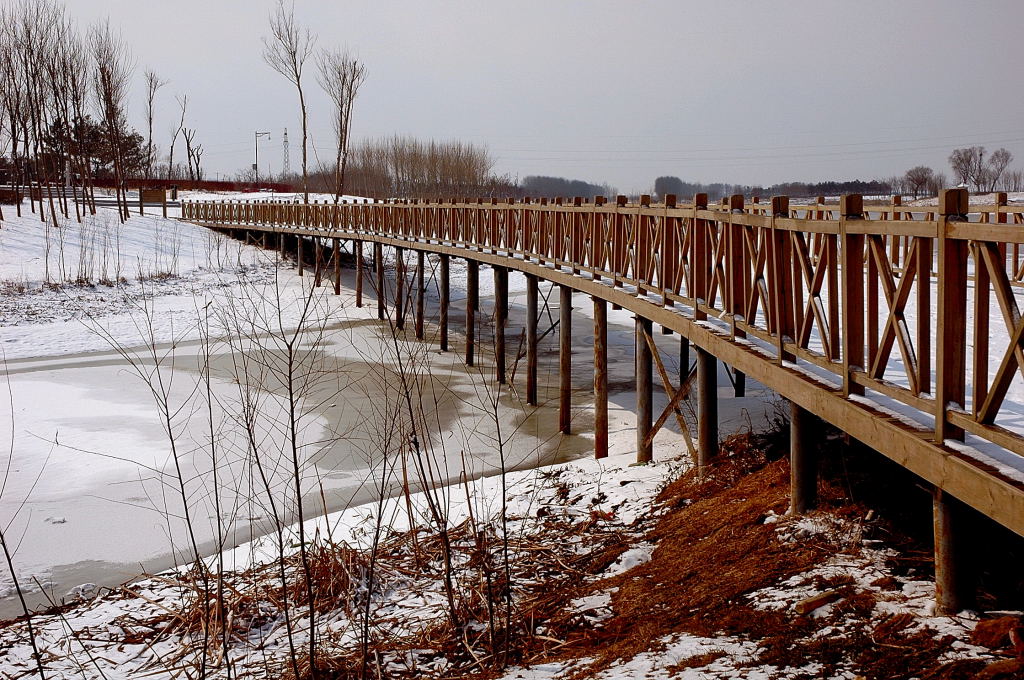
(286, 168)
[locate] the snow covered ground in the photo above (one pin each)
(89, 443)
(138, 631)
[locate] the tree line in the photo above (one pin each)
(972, 168)
(63, 112)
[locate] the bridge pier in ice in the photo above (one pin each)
(378, 267)
(421, 291)
(357, 247)
(445, 294)
(400, 288)
(500, 319)
(472, 302)
(531, 339)
(644, 391)
(600, 378)
(564, 359)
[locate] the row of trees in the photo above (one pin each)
(666, 185)
(539, 185)
(63, 111)
(53, 80)
(972, 168)
(403, 166)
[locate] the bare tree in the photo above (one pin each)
(341, 76)
(190, 136)
(917, 178)
(1014, 180)
(997, 164)
(286, 51)
(969, 166)
(112, 71)
(936, 183)
(183, 103)
(153, 84)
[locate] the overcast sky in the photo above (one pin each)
(618, 92)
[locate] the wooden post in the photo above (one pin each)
(803, 464)
(952, 582)
(445, 296)
(142, 206)
(644, 391)
(564, 358)
(737, 283)
(982, 297)
(400, 288)
(707, 407)
(600, 378)
(684, 359)
(298, 253)
(317, 256)
(851, 208)
(951, 355)
(531, 339)
(358, 246)
(951, 387)
(472, 300)
(700, 258)
(165, 203)
(500, 320)
(337, 265)
(421, 291)
(378, 265)
(782, 281)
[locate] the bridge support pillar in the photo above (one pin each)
(600, 378)
(684, 359)
(472, 300)
(298, 254)
(803, 461)
(951, 593)
(500, 319)
(739, 383)
(564, 358)
(336, 251)
(420, 293)
(358, 247)
(644, 384)
(707, 408)
(317, 257)
(280, 244)
(445, 296)
(400, 288)
(378, 265)
(531, 340)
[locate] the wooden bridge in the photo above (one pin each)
(880, 319)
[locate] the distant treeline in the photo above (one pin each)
(685, 191)
(542, 186)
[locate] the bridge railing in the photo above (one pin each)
(911, 303)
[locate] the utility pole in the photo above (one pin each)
(256, 160)
(285, 164)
